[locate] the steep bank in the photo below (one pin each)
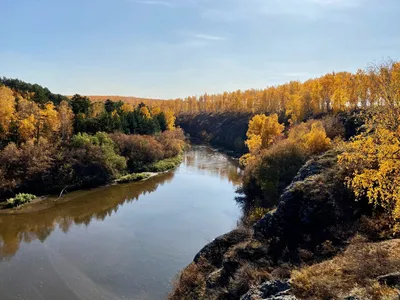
(226, 130)
(316, 219)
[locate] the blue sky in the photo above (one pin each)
(177, 48)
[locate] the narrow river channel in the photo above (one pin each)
(118, 242)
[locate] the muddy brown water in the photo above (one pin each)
(118, 242)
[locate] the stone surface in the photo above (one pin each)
(270, 290)
(214, 251)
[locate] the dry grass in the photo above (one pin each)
(246, 277)
(352, 273)
(191, 283)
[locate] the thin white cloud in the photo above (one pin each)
(239, 10)
(156, 2)
(336, 3)
(209, 37)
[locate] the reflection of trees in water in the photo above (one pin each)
(215, 164)
(76, 208)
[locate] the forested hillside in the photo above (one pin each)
(49, 142)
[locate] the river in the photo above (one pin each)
(118, 242)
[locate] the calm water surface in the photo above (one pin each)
(118, 242)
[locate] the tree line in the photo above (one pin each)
(332, 92)
(25, 116)
(48, 143)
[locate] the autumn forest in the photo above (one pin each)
(320, 166)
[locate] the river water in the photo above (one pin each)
(118, 242)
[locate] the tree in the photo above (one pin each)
(49, 122)
(7, 110)
(27, 128)
(170, 119)
(80, 104)
(96, 109)
(373, 161)
(127, 108)
(144, 111)
(263, 131)
(66, 117)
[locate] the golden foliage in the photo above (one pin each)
(7, 109)
(145, 112)
(50, 119)
(311, 136)
(373, 161)
(127, 108)
(66, 117)
(156, 111)
(170, 118)
(27, 128)
(263, 131)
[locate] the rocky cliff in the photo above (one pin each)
(315, 220)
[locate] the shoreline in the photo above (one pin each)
(4, 210)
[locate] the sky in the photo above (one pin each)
(177, 48)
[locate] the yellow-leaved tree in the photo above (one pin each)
(316, 140)
(66, 117)
(7, 110)
(145, 112)
(311, 136)
(155, 111)
(126, 107)
(50, 119)
(372, 158)
(170, 118)
(263, 131)
(27, 128)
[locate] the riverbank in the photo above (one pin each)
(155, 169)
(318, 244)
(122, 240)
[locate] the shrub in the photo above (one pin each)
(256, 214)
(311, 136)
(94, 159)
(20, 199)
(173, 142)
(140, 150)
(266, 176)
(28, 166)
(165, 165)
(133, 178)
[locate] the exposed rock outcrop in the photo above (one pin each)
(270, 290)
(314, 219)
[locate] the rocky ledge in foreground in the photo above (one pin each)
(314, 221)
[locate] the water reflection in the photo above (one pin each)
(38, 221)
(208, 162)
